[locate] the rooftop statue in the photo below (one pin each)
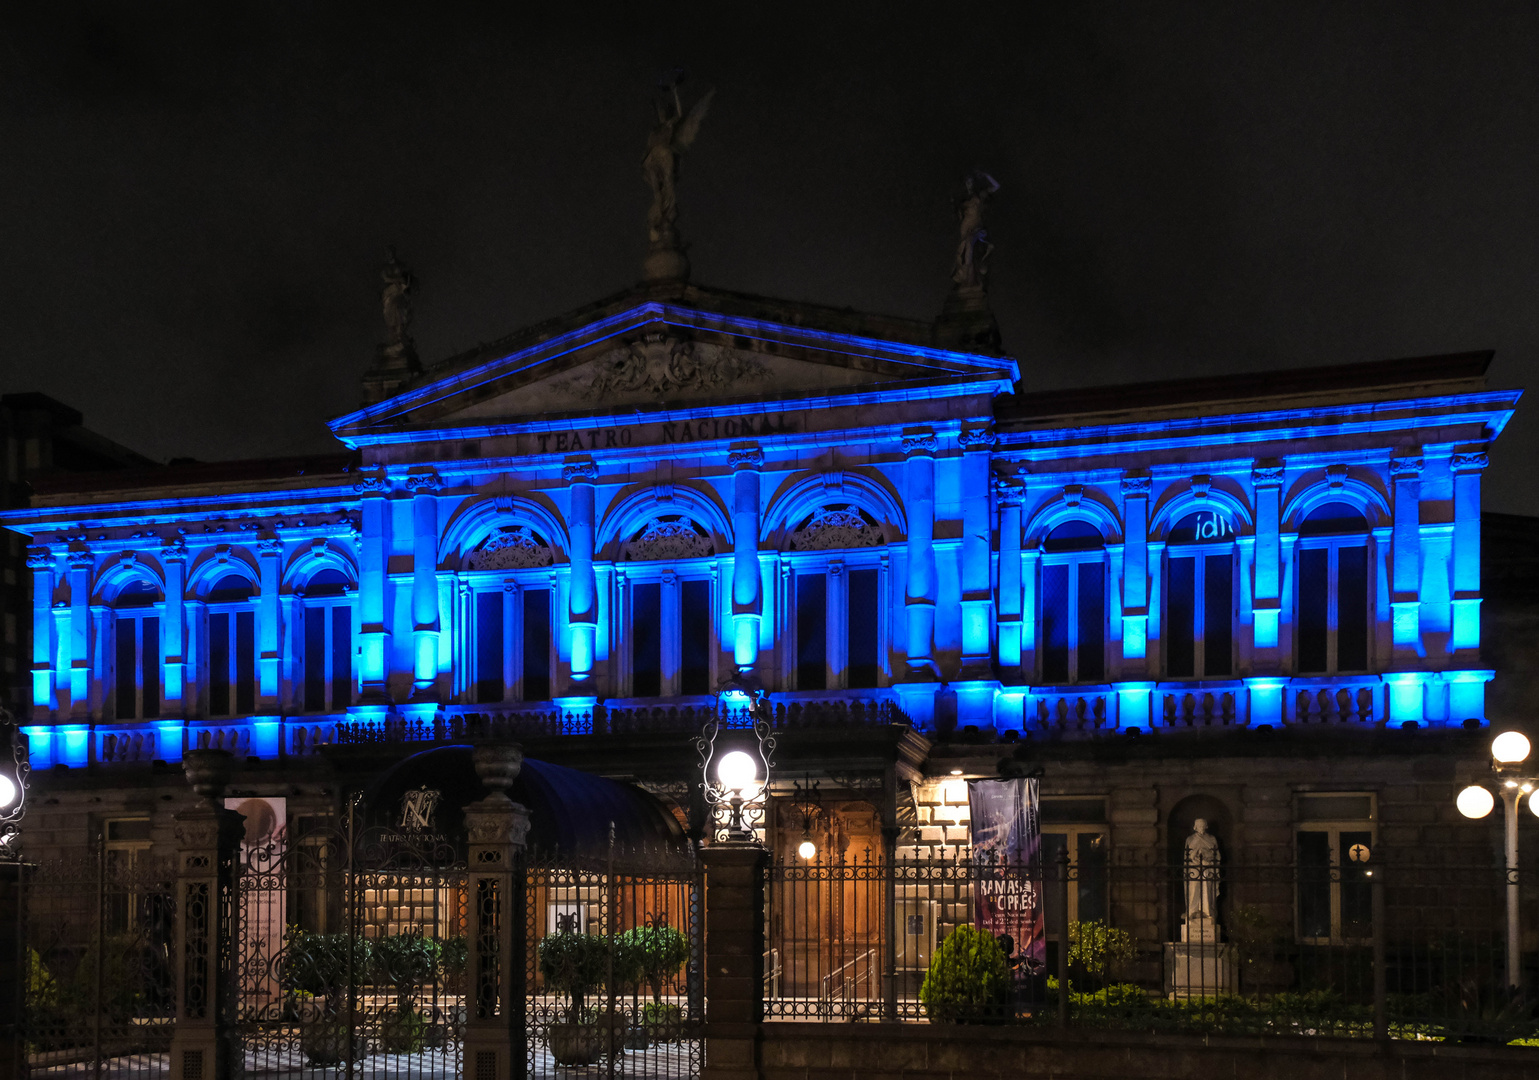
(396, 301)
(674, 134)
(973, 246)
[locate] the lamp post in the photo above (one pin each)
(1509, 751)
(735, 792)
(15, 767)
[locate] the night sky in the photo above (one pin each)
(198, 199)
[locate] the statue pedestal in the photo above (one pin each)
(1199, 931)
(1200, 970)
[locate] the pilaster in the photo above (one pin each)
(977, 550)
(1266, 590)
(1467, 467)
(1007, 496)
(374, 517)
(173, 630)
(919, 447)
(269, 625)
(80, 567)
(44, 701)
(1135, 572)
(746, 460)
(424, 488)
(581, 475)
(1405, 576)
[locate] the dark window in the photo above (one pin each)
(230, 589)
(326, 583)
(811, 632)
(219, 703)
(315, 659)
(1181, 618)
(341, 656)
(1218, 615)
(1333, 590)
(489, 647)
(1314, 884)
(1091, 653)
(1055, 623)
(1314, 606)
(536, 644)
(646, 639)
(863, 623)
(695, 649)
(127, 669)
(245, 662)
(1356, 889)
(149, 670)
(1352, 609)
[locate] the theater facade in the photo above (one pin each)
(1253, 599)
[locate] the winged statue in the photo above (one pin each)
(674, 134)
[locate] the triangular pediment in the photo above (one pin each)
(659, 356)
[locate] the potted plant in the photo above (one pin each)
(574, 965)
(315, 970)
(657, 953)
(1097, 953)
(405, 961)
(968, 981)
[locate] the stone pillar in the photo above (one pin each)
(977, 554)
(14, 972)
(269, 624)
(747, 594)
(1405, 583)
(44, 702)
(671, 632)
(1267, 594)
(373, 525)
(1008, 497)
(424, 488)
(173, 630)
(205, 1043)
(1135, 573)
(497, 933)
(1466, 468)
(734, 959)
(582, 588)
(80, 566)
(919, 448)
(836, 623)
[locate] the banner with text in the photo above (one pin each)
(1007, 893)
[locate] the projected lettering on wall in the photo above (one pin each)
(1205, 526)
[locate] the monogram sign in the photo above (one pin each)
(1205, 526)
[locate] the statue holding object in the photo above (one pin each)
(673, 134)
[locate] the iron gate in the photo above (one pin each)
(351, 952)
(614, 977)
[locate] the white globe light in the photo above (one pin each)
(1475, 801)
(807, 849)
(1533, 803)
(1510, 747)
(736, 771)
(8, 793)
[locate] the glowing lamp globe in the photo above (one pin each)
(8, 793)
(1510, 747)
(736, 771)
(1475, 801)
(1533, 803)
(807, 849)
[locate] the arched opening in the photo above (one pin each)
(1073, 604)
(1333, 590)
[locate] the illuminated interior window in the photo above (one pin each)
(1073, 604)
(1200, 601)
(328, 643)
(1332, 619)
(1335, 901)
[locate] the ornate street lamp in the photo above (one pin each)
(735, 776)
(1509, 751)
(15, 768)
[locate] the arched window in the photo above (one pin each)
(136, 652)
(231, 647)
(1332, 602)
(513, 654)
(1073, 604)
(668, 585)
(1200, 598)
(837, 599)
(327, 655)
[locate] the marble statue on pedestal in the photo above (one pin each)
(1201, 872)
(973, 247)
(673, 134)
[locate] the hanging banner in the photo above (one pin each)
(1007, 893)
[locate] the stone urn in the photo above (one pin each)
(208, 771)
(497, 766)
(576, 1044)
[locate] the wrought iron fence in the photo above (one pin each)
(99, 934)
(1413, 948)
(613, 967)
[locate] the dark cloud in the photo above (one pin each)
(197, 198)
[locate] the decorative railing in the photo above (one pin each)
(1087, 708)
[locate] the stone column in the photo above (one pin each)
(424, 488)
(1135, 573)
(374, 518)
(1405, 546)
(582, 588)
(15, 966)
(41, 562)
(173, 630)
(747, 595)
(205, 1042)
(80, 566)
(497, 933)
(1007, 495)
(734, 959)
(919, 448)
(1267, 593)
(670, 627)
(977, 554)
(836, 624)
(1466, 468)
(269, 624)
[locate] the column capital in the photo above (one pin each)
(1406, 468)
(39, 558)
(174, 551)
(1469, 461)
(919, 441)
(976, 438)
(371, 485)
(1267, 473)
(1137, 486)
(745, 456)
(1008, 491)
(428, 483)
(579, 471)
(270, 548)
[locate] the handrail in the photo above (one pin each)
(772, 972)
(826, 998)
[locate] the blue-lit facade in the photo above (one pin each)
(613, 516)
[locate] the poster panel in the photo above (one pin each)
(1007, 887)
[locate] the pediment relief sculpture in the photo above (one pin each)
(832, 527)
(667, 537)
(515, 547)
(661, 365)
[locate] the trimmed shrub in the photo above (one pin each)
(969, 979)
